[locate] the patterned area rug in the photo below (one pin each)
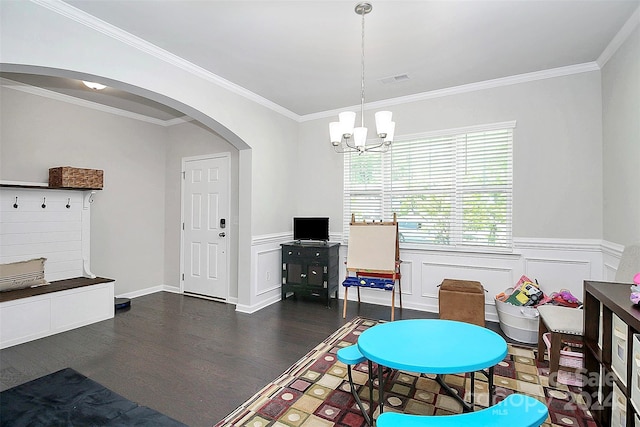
(315, 391)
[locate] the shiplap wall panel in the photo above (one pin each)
(30, 238)
(55, 232)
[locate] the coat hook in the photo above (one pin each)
(44, 202)
(68, 205)
(15, 205)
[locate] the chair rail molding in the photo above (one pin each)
(556, 263)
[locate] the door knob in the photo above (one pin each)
(222, 234)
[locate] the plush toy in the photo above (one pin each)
(565, 298)
(635, 290)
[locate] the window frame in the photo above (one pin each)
(385, 190)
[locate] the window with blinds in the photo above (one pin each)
(451, 188)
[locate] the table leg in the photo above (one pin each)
(370, 390)
(354, 392)
(473, 388)
(380, 388)
(492, 387)
(465, 406)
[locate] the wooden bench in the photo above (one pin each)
(517, 410)
(32, 313)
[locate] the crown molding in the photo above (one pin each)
(456, 90)
(116, 33)
(622, 36)
(95, 106)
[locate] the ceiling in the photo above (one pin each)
(110, 97)
(305, 55)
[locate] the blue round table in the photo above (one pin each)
(433, 346)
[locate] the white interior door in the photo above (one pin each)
(205, 199)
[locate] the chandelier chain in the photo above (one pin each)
(362, 74)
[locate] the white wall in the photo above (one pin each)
(128, 215)
(51, 38)
(621, 139)
(557, 152)
(558, 176)
(142, 164)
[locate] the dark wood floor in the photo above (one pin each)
(192, 359)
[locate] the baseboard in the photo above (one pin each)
(172, 289)
(250, 309)
(151, 290)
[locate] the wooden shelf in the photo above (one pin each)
(46, 187)
(613, 298)
(55, 286)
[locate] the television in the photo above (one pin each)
(306, 228)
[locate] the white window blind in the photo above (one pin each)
(453, 188)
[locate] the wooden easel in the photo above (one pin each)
(374, 252)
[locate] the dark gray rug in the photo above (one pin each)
(68, 398)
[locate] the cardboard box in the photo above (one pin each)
(68, 177)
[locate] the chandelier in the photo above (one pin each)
(345, 137)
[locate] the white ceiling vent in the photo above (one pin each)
(394, 79)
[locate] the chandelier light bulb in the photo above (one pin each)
(383, 122)
(347, 121)
(360, 137)
(388, 139)
(335, 131)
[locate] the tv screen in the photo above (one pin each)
(310, 228)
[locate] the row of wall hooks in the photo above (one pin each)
(44, 203)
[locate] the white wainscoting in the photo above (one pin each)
(555, 263)
(611, 254)
(266, 272)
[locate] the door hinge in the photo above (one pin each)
(184, 174)
(183, 276)
(183, 225)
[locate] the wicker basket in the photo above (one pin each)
(68, 177)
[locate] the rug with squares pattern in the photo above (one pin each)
(315, 391)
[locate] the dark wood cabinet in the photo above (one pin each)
(310, 270)
(612, 354)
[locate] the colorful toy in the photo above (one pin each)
(525, 293)
(635, 290)
(565, 298)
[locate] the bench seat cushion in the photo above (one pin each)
(350, 355)
(565, 320)
(517, 410)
